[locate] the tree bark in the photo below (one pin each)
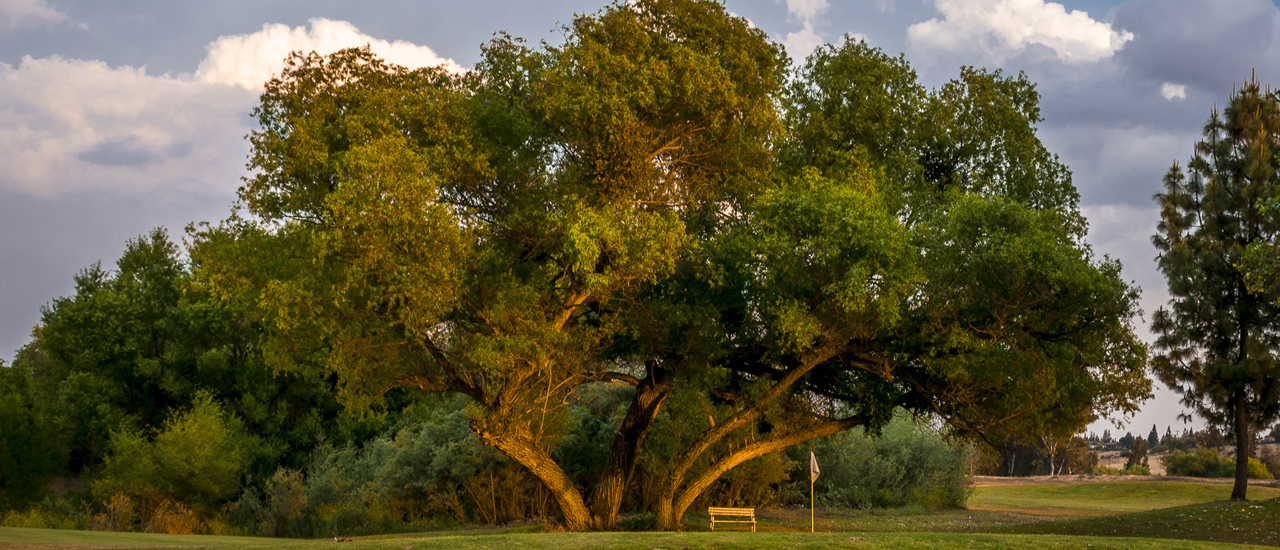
(1244, 440)
(741, 418)
(525, 450)
(675, 501)
(607, 496)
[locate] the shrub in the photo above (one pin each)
(119, 514)
(1136, 470)
(38, 519)
(909, 463)
(197, 459)
(1206, 462)
(173, 518)
(1103, 470)
(286, 499)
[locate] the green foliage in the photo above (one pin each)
(1219, 341)
(646, 203)
(197, 457)
(132, 345)
(994, 218)
(30, 454)
(1136, 470)
(909, 463)
(650, 196)
(430, 469)
(1205, 462)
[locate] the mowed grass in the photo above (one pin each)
(42, 539)
(1099, 499)
(1127, 514)
(1250, 522)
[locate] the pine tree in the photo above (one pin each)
(1153, 438)
(1217, 340)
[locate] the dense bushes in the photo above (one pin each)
(909, 463)
(1204, 462)
(198, 459)
(430, 470)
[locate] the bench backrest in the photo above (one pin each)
(731, 511)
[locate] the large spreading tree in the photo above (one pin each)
(1218, 339)
(764, 260)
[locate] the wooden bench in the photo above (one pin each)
(749, 513)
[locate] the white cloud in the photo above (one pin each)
(249, 60)
(23, 13)
(999, 29)
(801, 43)
(69, 125)
(1172, 91)
(806, 10)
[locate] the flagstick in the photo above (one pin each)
(810, 504)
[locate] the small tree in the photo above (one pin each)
(1137, 455)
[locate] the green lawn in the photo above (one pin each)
(1127, 514)
(1252, 522)
(1095, 499)
(16, 538)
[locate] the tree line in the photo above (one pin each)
(740, 256)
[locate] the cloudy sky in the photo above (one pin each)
(119, 116)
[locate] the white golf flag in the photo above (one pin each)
(813, 468)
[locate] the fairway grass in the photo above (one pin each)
(1249, 522)
(45, 539)
(1101, 499)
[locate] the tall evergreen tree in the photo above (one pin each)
(1217, 341)
(1153, 438)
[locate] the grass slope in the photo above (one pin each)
(1251, 522)
(42, 539)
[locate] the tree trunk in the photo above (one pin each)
(676, 500)
(667, 515)
(607, 496)
(525, 450)
(1244, 442)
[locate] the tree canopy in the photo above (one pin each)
(763, 257)
(131, 348)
